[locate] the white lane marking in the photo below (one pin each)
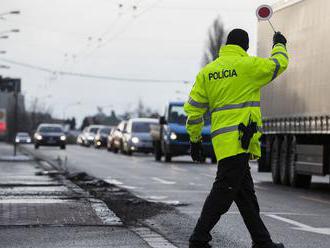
(159, 180)
(113, 181)
(259, 187)
(315, 199)
(173, 202)
(128, 187)
(104, 213)
(152, 238)
(178, 169)
(195, 184)
(160, 197)
(300, 226)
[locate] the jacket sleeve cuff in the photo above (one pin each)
(196, 139)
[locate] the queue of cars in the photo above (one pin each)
(164, 137)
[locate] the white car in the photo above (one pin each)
(86, 138)
(23, 138)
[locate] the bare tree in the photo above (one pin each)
(215, 39)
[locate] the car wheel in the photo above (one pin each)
(157, 151)
(63, 147)
(214, 160)
(168, 157)
(36, 146)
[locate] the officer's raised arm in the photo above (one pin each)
(268, 69)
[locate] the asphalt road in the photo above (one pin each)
(299, 218)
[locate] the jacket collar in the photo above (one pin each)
(232, 50)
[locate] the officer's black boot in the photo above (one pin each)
(273, 245)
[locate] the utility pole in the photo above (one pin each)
(15, 117)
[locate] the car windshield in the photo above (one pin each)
(105, 130)
(50, 129)
(93, 130)
(177, 115)
(141, 127)
(23, 134)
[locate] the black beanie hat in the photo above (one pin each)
(238, 37)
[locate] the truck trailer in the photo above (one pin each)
(296, 106)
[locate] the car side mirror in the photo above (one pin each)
(162, 120)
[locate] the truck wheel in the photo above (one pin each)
(275, 162)
(157, 151)
(214, 160)
(264, 163)
(295, 179)
(284, 168)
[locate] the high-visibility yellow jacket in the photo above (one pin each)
(230, 89)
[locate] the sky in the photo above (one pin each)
(161, 41)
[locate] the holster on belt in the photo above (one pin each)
(246, 133)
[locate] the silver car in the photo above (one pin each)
(137, 137)
(23, 138)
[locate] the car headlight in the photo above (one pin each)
(90, 137)
(28, 140)
(173, 136)
(63, 137)
(17, 140)
(38, 137)
(135, 140)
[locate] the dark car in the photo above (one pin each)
(101, 137)
(115, 139)
(49, 135)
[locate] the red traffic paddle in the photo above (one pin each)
(264, 13)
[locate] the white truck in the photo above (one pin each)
(296, 107)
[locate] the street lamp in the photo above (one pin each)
(10, 31)
(4, 67)
(13, 12)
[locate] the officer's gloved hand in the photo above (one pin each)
(279, 38)
(196, 151)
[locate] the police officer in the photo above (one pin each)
(230, 89)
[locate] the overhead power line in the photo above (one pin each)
(86, 75)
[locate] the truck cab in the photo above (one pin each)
(170, 137)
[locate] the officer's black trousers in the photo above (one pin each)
(233, 183)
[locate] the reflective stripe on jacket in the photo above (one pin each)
(230, 89)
